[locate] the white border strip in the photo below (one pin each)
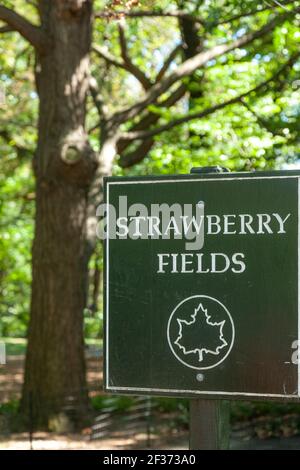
(195, 392)
(184, 180)
(200, 392)
(107, 292)
(298, 344)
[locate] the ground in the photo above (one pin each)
(46, 441)
(128, 431)
(11, 377)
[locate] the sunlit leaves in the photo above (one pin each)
(258, 133)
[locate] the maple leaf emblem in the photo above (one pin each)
(200, 335)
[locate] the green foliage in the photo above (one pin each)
(9, 408)
(257, 419)
(14, 346)
(93, 324)
(266, 419)
(257, 133)
(18, 136)
(117, 403)
(16, 215)
(244, 411)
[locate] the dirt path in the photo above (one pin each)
(47, 441)
(11, 377)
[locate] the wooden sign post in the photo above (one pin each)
(201, 291)
(209, 419)
(209, 424)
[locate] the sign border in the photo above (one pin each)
(108, 181)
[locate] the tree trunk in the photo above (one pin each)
(64, 167)
(193, 44)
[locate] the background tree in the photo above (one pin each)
(162, 86)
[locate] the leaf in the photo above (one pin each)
(200, 335)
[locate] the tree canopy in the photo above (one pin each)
(94, 88)
(246, 106)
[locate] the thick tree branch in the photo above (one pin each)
(98, 99)
(251, 13)
(138, 135)
(32, 33)
(145, 14)
(128, 66)
(22, 152)
(148, 120)
(109, 58)
(198, 115)
(137, 155)
(6, 29)
(190, 65)
(133, 69)
(152, 118)
(169, 59)
(183, 14)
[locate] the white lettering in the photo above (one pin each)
(246, 224)
(186, 262)
(281, 222)
(162, 263)
(238, 262)
(122, 226)
(228, 224)
(211, 223)
(172, 225)
(264, 223)
(214, 263)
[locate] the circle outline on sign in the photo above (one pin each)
(169, 340)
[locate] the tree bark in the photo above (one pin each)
(106, 158)
(64, 167)
(193, 44)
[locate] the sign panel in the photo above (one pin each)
(201, 289)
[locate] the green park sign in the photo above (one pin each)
(201, 285)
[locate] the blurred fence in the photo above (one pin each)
(2, 353)
(122, 422)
